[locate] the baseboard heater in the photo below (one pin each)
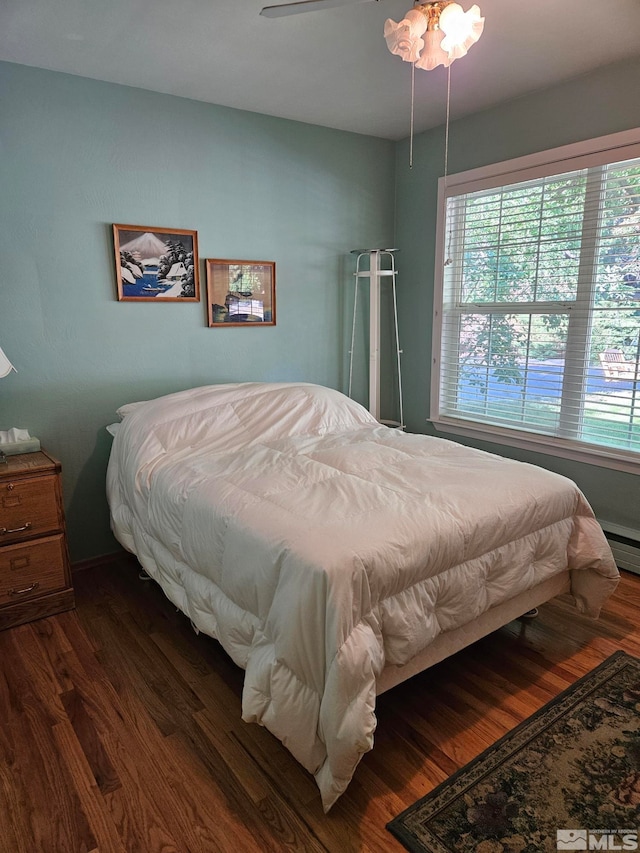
(625, 546)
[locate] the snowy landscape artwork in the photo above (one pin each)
(158, 264)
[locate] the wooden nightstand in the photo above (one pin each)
(35, 577)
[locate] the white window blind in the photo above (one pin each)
(538, 317)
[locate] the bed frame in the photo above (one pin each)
(450, 642)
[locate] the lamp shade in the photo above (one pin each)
(5, 365)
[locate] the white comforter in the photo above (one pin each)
(318, 546)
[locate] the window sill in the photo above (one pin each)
(618, 460)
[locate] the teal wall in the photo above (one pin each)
(77, 155)
(590, 106)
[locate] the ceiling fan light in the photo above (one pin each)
(404, 38)
(417, 21)
(451, 19)
(461, 29)
(432, 54)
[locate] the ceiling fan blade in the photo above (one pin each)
(306, 6)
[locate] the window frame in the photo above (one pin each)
(556, 161)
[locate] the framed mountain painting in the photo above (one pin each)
(156, 264)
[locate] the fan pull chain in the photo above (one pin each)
(413, 98)
(446, 127)
(446, 162)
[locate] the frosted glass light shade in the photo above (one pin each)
(5, 365)
(452, 21)
(448, 34)
(461, 29)
(432, 54)
(404, 38)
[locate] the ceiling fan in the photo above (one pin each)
(448, 33)
(432, 33)
(307, 6)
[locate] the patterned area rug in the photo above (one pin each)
(568, 778)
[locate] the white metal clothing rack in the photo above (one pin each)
(381, 266)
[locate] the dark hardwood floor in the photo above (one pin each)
(120, 728)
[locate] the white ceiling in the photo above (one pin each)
(327, 67)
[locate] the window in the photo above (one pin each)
(537, 314)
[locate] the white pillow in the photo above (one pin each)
(129, 407)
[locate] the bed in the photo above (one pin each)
(333, 557)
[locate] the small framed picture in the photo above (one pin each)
(156, 264)
(241, 293)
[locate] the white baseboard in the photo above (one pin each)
(626, 556)
(625, 545)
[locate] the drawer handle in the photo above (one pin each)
(5, 530)
(26, 589)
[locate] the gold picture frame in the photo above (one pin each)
(156, 264)
(240, 293)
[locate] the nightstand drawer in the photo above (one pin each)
(28, 507)
(32, 569)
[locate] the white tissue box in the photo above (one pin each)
(13, 441)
